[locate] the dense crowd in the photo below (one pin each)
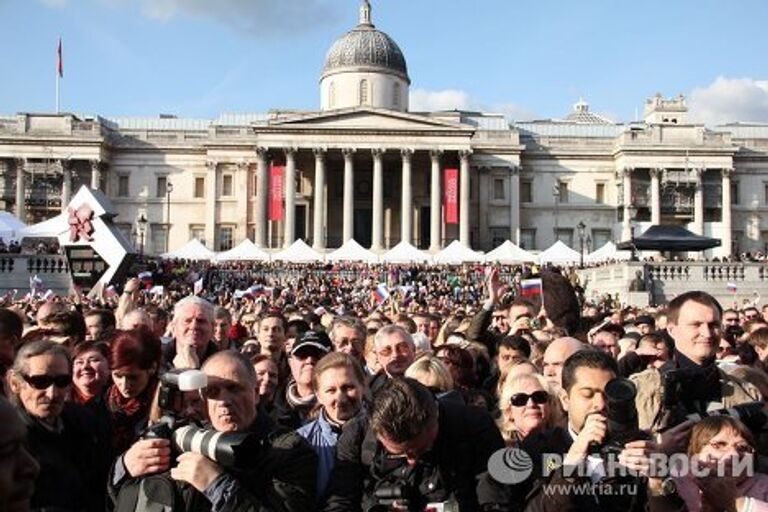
(361, 388)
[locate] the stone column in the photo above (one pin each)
(435, 229)
(289, 226)
(484, 180)
(66, 183)
(655, 196)
(698, 204)
(626, 225)
(377, 229)
(95, 174)
(21, 210)
(725, 232)
(349, 194)
(262, 197)
(406, 201)
(210, 204)
(464, 198)
(318, 224)
(514, 205)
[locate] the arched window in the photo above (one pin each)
(363, 91)
(332, 95)
(396, 95)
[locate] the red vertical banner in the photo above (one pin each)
(451, 195)
(276, 191)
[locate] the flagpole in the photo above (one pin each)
(57, 91)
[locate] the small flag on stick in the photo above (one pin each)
(530, 287)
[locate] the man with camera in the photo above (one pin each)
(413, 452)
(690, 382)
(279, 474)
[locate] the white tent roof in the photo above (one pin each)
(455, 253)
(352, 251)
(560, 254)
(192, 250)
(298, 252)
(244, 251)
(9, 226)
(509, 253)
(405, 253)
(605, 253)
(52, 227)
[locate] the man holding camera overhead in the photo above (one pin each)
(278, 475)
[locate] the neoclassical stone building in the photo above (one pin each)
(365, 167)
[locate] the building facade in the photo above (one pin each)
(365, 167)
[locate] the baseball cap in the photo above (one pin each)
(644, 319)
(313, 339)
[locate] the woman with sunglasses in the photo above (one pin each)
(527, 405)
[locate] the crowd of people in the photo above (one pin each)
(384, 388)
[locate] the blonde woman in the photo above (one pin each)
(527, 405)
(431, 372)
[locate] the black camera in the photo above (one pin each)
(621, 416)
(404, 495)
(170, 400)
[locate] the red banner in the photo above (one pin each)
(451, 195)
(276, 188)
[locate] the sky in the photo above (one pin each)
(525, 59)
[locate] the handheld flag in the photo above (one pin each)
(380, 293)
(198, 287)
(731, 287)
(530, 287)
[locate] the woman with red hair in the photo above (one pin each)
(134, 359)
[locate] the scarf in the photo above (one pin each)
(128, 414)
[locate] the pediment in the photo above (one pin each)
(367, 119)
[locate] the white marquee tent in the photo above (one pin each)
(352, 251)
(244, 251)
(192, 250)
(52, 227)
(456, 253)
(298, 252)
(560, 254)
(10, 225)
(508, 253)
(405, 253)
(605, 253)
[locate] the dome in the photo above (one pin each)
(365, 48)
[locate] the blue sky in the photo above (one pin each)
(199, 58)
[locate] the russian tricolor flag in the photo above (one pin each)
(530, 287)
(731, 286)
(380, 293)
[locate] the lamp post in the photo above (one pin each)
(632, 211)
(581, 227)
(556, 197)
(142, 223)
(168, 190)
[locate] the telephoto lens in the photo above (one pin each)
(228, 449)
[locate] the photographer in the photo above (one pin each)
(694, 323)
(413, 450)
(280, 476)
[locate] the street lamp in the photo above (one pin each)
(142, 223)
(168, 190)
(632, 212)
(581, 227)
(556, 197)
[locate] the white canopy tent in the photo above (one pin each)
(405, 253)
(352, 251)
(192, 250)
(244, 251)
(298, 252)
(606, 253)
(560, 254)
(52, 227)
(456, 253)
(10, 225)
(508, 254)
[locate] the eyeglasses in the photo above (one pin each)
(521, 399)
(43, 382)
(740, 448)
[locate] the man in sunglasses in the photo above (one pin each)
(73, 457)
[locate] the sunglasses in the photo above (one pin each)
(43, 382)
(538, 397)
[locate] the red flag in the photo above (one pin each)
(60, 60)
(276, 192)
(451, 195)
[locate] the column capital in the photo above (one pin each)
(319, 152)
(435, 153)
(242, 165)
(65, 163)
(20, 162)
(407, 153)
(348, 151)
(626, 171)
(727, 172)
(514, 170)
(290, 150)
(377, 152)
(655, 172)
(465, 153)
(212, 165)
(261, 151)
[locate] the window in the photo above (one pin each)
(735, 193)
(528, 238)
(562, 191)
(498, 188)
(526, 191)
(226, 235)
(162, 186)
(122, 186)
(126, 230)
(565, 235)
(765, 189)
(197, 231)
(226, 185)
(363, 92)
(396, 95)
(159, 237)
(600, 193)
(199, 187)
(600, 237)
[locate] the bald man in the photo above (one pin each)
(557, 352)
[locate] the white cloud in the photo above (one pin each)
(423, 100)
(730, 99)
(256, 17)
